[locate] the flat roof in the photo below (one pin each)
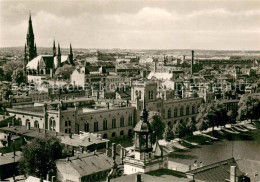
(7, 158)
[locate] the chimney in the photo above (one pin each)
(233, 174)
(192, 61)
(8, 124)
(114, 151)
(138, 178)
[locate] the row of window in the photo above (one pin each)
(193, 111)
(105, 126)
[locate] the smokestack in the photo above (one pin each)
(233, 174)
(192, 61)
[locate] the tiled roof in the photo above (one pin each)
(151, 178)
(216, 172)
(84, 164)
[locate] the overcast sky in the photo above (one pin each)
(193, 24)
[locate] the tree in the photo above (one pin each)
(39, 156)
(168, 134)
(181, 130)
(190, 126)
(64, 72)
(9, 68)
(18, 76)
(157, 124)
(211, 114)
(248, 108)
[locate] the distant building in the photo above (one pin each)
(41, 67)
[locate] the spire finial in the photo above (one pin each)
(59, 53)
(70, 49)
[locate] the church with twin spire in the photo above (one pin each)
(41, 67)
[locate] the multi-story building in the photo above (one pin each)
(73, 116)
(172, 110)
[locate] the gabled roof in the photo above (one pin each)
(84, 164)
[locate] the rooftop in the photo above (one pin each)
(84, 164)
(7, 158)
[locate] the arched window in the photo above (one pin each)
(52, 124)
(187, 110)
(169, 113)
(105, 135)
(181, 111)
(19, 121)
(130, 120)
(175, 112)
(86, 127)
(193, 109)
(122, 121)
(36, 124)
(122, 133)
(27, 123)
(113, 123)
(105, 124)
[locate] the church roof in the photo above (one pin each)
(49, 61)
(63, 59)
(33, 64)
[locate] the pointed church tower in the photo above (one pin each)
(59, 56)
(30, 41)
(54, 48)
(71, 55)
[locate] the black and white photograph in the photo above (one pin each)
(130, 90)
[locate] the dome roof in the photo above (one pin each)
(142, 126)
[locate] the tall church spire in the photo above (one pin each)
(54, 48)
(71, 55)
(30, 40)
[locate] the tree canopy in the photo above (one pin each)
(157, 124)
(249, 108)
(64, 72)
(39, 156)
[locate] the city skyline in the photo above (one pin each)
(211, 25)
